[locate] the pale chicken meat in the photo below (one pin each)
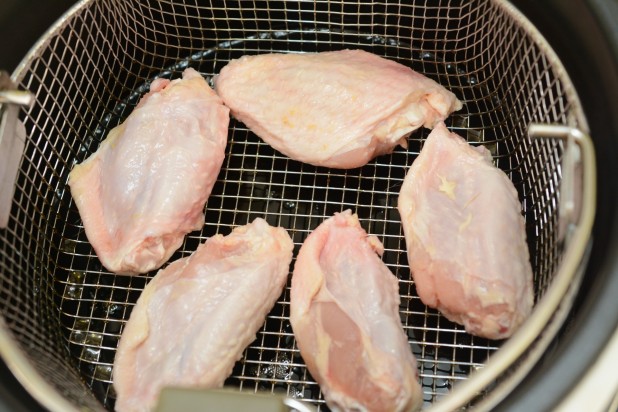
(336, 109)
(465, 237)
(196, 316)
(344, 310)
(146, 186)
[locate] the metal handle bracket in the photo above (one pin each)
(569, 206)
(12, 141)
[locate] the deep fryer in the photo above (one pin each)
(88, 73)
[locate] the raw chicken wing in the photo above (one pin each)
(344, 310)
(465, 237)
(336, 109)
(195, 318)
(146, 185)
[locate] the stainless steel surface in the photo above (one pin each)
(10, 95)
(15, 97)
(64, 313)
(598, 390)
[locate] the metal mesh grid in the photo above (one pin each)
(67, 312)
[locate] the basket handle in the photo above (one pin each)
(574, 188)
(12, 141)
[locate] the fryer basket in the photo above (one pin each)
(63, 313)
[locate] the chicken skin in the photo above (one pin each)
(335, 109)
(196, 316)
(344, 310)
(146, 186)
(466, 237)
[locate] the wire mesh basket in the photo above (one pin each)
(63, 313)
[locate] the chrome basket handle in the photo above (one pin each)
(12, 141)
(578, 152)
(577, 208)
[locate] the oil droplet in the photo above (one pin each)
(428, 365)
(57, 197)
(107, 118)
(94, 339)
(103, 372)
(427, 55)
(441, 383)
(76, 277)
(81, 324)
(264, 372)
(90, 354)
(78, 336)
(280, 34)
(289, 205)
(73, 292)
(291, 376)
(296, 392)
(376, 39)
(393, 42)
(112, 309)
(68, 245)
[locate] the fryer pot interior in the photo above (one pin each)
(66, 312)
